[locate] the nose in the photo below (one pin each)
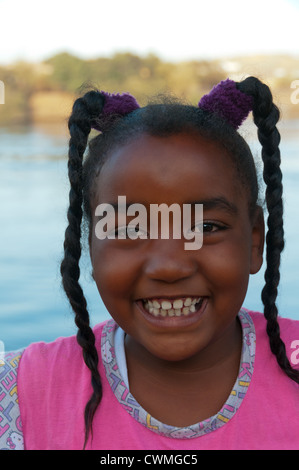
(168, 261)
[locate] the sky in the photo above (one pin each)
(174, 30)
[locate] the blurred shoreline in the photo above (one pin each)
(43, 93)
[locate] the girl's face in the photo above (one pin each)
(181, 169)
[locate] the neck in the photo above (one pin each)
(162, 386)
(224, 349)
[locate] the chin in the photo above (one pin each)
(173, 354)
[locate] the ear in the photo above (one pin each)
(258, 240)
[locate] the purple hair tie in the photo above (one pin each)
(228, 102)
(115, 104)
(119, 103)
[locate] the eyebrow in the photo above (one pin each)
(219, 202)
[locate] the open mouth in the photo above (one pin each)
(178, 307)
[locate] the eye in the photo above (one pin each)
(208, 227)
(131, 232)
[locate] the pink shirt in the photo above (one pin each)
(54, 386)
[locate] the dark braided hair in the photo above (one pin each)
(165, 118)
(79, 126)
(266, 116)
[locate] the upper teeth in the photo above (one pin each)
(171, 308)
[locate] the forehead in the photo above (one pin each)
(177, 168)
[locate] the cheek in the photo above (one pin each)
(228, 267)
(114, 271)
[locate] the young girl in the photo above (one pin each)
(181, 365)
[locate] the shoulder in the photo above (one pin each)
(11, 436)
(61, 351)
(48, 373)
(289, 333)
(288, 326)
(57, 360)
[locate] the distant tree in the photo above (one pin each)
(69, 72)
(128, 72)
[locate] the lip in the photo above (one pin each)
(173, 322)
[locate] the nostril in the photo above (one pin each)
(169, 270)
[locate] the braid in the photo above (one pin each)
(266, 115)
(84, 110)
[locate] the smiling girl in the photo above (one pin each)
(181, 364)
